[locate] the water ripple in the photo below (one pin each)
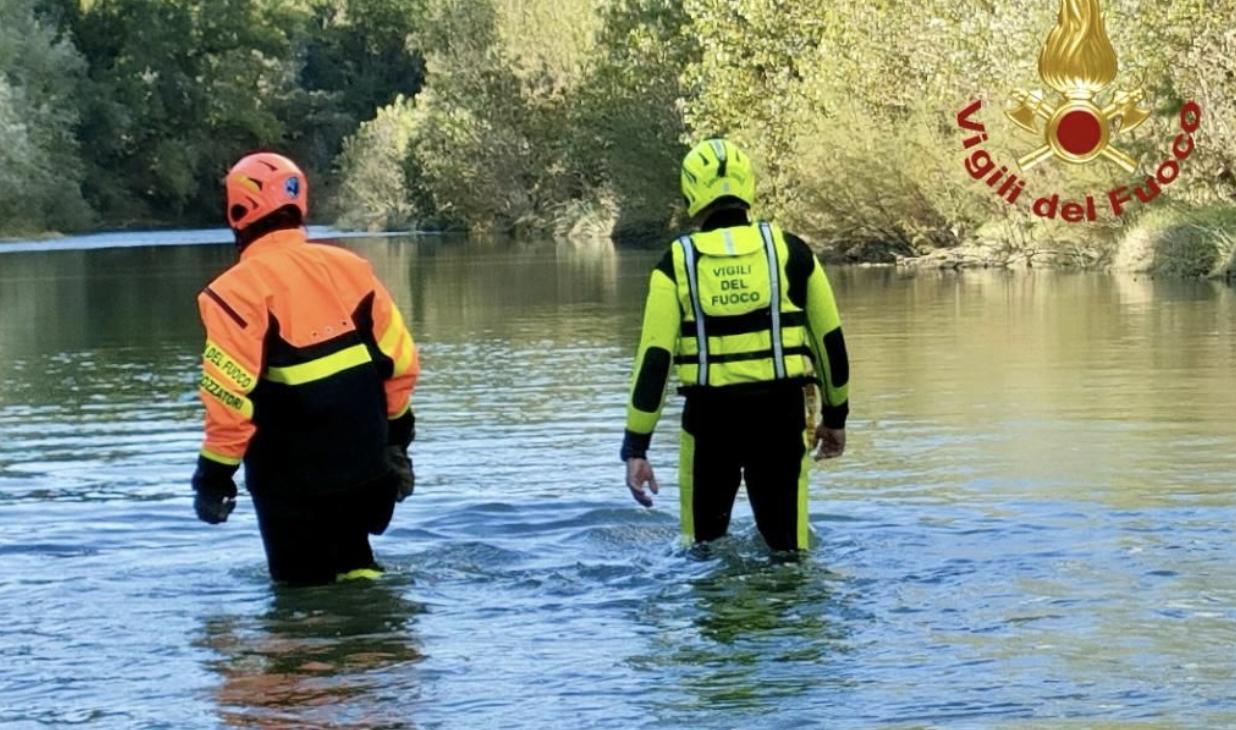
(1033, 527)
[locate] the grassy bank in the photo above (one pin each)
(1174, 241)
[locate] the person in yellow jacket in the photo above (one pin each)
(307, 377)
(746, 315)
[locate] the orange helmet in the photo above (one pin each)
(262, 183)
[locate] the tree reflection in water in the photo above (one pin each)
(747, 631)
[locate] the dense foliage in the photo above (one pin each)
(127, 112)
(41, 168)
(569, 116)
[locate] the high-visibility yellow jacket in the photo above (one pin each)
(307, 360)
(738, 306)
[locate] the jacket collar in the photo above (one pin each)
(725, 218)
(274, 240)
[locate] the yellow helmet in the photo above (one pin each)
(715, 169)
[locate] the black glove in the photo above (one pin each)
(401, 469)
(400, 434)
(215, 492)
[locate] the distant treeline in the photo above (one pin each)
(571, 116)
(128, 112)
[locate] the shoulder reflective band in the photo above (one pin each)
(701, 337)
(394, 332)
(323, 367)
(774, 289)
(407, 352)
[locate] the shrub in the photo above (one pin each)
(40, 168)
(375, 192)
(1178, 241)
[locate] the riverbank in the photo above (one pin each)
(161, 238)
(1168, 242)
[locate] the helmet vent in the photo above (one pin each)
(718, 148)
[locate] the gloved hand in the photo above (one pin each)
(400, 434)
(401, 468)
(215, 492)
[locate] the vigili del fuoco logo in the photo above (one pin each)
(1079, 63)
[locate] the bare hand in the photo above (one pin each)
(831, 441)
(639, 473)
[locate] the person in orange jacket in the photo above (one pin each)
(307, 379)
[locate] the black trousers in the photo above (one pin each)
(311, 539)
(756, 434)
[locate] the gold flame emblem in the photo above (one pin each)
(1078, 61)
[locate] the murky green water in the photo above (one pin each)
(1034, 525)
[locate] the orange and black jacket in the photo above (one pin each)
(308, 370)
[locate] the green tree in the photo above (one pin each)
(354, 57)
(177, 89)
(40, 168)
(491, 144)
(375, 192)
(629, 128)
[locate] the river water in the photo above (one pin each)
(1034, 525)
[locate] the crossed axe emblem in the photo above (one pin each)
(1077, 130)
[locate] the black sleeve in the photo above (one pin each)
(798, 268)
(666, 264)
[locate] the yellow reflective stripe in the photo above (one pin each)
(401, 412)
(220, 458)
(688, 374)
(405, 357)
(323, 367)
(359, 574)
(640, 421)
(803, 538)
(744, 371)
(798, 366)
(794, 336)
(394, 330)
(749, 342)
(223, 395)
(686, 485)
(231, 370)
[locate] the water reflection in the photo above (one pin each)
(748, 598)
(460, 290)
(1034, 522)
(334, 656)
(750, 633)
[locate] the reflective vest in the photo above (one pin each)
(738, 324)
